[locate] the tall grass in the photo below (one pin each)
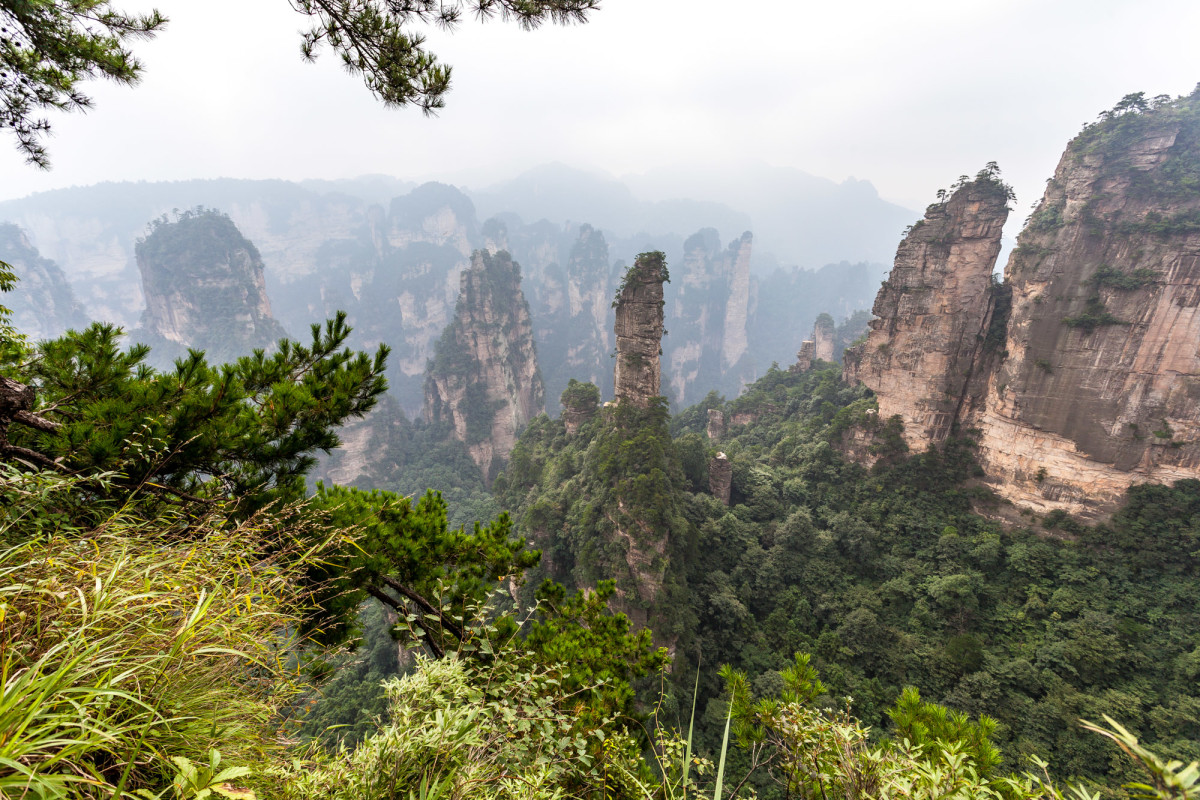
(135, 642)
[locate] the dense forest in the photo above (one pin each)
(175, 596)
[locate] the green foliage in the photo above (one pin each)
(580, 396)
(605, 655)
(459, 729)
(1094, 315)
(131, 647)
(1113, 278)
(375, 39)
(929, 725)
(890, 579)
(48, 48)
(406, 556)
(246, 430)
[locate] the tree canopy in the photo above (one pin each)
(49, 47)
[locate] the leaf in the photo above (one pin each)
(234, 792)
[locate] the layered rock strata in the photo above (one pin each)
(1101, 386)
(484, 378)
(929, 314)
(639, 331)
(805, 357)
(1082, 372)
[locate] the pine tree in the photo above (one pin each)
(245, 432)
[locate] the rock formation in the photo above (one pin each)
(42, 303)
(930, 312)
(639, 330)
(1101, 386)
(484, 377)
(805, 357)
(580, 402)
(824, 336)
(709, 314)
(204, 288)
(1082, 373)
(716, 425)
(720, 477)
(573, 305)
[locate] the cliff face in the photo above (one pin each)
(709, 314)
(824, 337)
(484, 377)
(1101, 386)
(639, 330)
(573, 305)
(204, 288)
(42, 303)
(1082, 373)
(919, 354)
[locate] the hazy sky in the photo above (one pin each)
(905, 94)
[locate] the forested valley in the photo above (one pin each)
(369, 489)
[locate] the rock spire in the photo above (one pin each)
(639, 329)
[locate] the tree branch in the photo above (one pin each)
(400, 607)
(425, 606)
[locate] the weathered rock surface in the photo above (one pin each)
(709, 314)
(639, 331)
(930, 313)
(1101, 386)
(716, 425)
(580, 402)
(1082, 373)
(42, 303)
(204, 288)
(805, 357)
(484, 376)
(720, 477)
(825, 336)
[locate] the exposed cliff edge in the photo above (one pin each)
(484, 378)
(204, 288)
(1082, 372)
(929, 313)
(42, 303)
(639, 328)
(1101, 386)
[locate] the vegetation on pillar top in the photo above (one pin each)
(648, 267)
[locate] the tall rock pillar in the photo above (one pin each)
(931, 314)
(639, 328)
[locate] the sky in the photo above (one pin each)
(905, 95)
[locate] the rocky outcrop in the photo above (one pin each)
(720, 477)
(716, 425)
(710, 311)
(580, 402)
(639, 330)
(1101, 386)
(805, 357)
(204, 288)
(484, 377)
(573, 306)
(1081, 373)
(825, 335)
(930, 313)
(42, 303)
